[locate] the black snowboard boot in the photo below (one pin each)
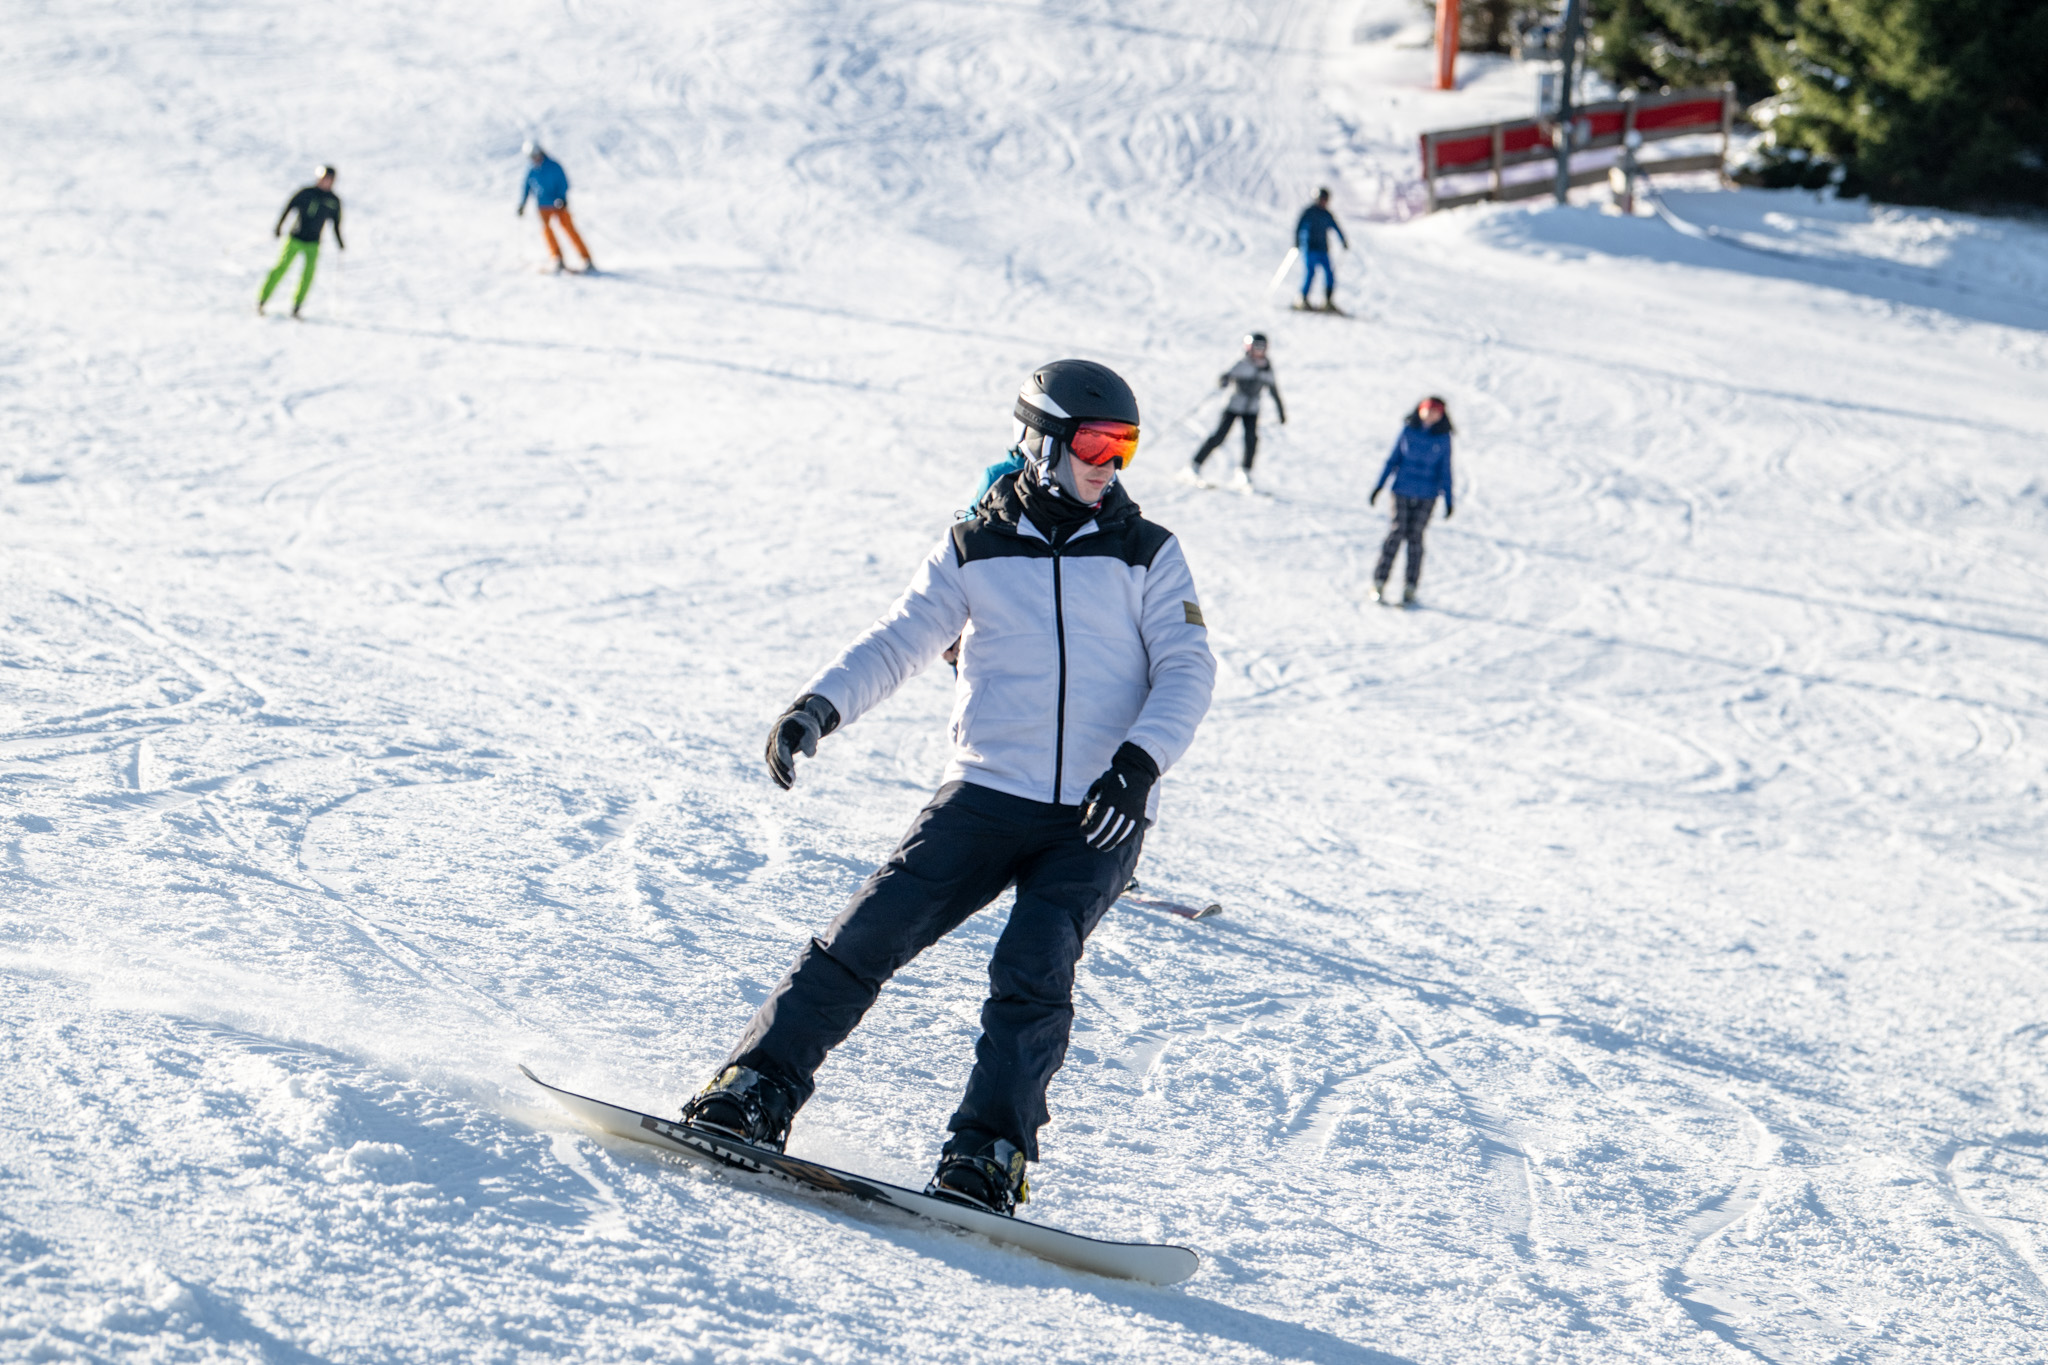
(744, 1104)
(982, 1173)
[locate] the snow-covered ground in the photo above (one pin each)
(1637, 954)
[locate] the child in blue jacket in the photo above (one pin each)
(1420, 467)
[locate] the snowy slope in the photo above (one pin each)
(1635, 955)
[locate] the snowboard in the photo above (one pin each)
(1145, 900)
(1151, 1263)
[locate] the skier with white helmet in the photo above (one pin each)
(1248, 381)
(1084, 669)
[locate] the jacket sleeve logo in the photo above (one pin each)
(1194, 613)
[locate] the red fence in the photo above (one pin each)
(1491, 148)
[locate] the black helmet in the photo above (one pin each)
(1252, 339)
(1057, 398)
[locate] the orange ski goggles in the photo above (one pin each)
(1102, 442)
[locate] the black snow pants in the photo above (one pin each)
(1411, 515)
(1251, 437)
(961, 852)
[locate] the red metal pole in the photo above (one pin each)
(1447, 44)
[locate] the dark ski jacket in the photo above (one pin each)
(1312, 232)
(1420, 465)
(547, 184)
(316, 209)
(1071, 644)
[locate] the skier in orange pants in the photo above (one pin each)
(547, 184)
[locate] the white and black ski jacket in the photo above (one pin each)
(1065, 652)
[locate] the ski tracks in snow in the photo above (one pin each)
(1627, 955)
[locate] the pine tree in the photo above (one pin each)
(1490, 25)
(1677, 44)
(1913, 101)
(1918, 101)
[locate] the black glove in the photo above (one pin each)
(1374, 498)
(809, 719)
(1114, 808)
(1449, 511)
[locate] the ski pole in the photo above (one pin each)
(1286, 264)
(1192, 409)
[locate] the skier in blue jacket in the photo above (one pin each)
(1012, 463)
(1312, 236)
(547, 184)
(1420, 467)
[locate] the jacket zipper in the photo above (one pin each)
(1059, 625)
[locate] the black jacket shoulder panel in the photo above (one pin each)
(991, 533)
(1120, 532)
(1147, 539)
(1135, 541)
(982, 539)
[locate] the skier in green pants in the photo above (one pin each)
(316, 205)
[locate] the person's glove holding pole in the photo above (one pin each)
(797, 731)
(1114, 808)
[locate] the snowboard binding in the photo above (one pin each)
(991, 1179)
(742, 1103)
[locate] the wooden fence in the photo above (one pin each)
(1493, 147)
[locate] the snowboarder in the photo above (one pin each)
(1420, 467)
(1084, 670)
(316, 205)
(1252, 375)
(547, 184)
(1312, 237)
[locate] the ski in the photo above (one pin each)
(1144, 900)
(1151, 1263)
